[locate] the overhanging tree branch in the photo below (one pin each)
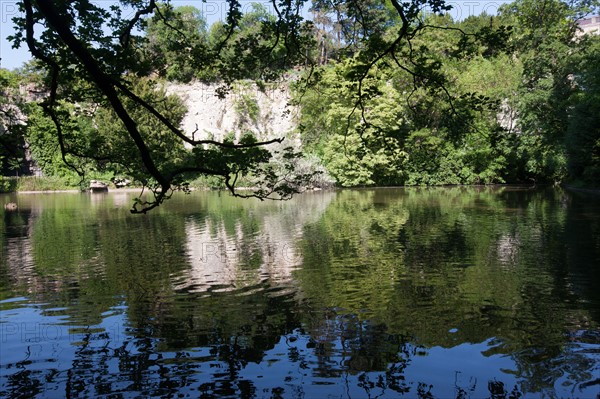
(48, 105)
(102, 81)
(126, 34)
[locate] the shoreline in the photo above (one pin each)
(567, 187)
(73, 191)
(316, 189)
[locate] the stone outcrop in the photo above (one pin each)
(246, 107)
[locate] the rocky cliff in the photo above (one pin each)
(246, 107)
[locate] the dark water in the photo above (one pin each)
(437, 293)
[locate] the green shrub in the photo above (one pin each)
(8, 184)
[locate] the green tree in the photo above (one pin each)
(114, 146)
(46, 146)
(545, 43)
(403, 97)
(434, 124)
(260, 46)
(583, 133)
(12, 125)
(176, 42)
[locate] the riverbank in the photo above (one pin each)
(43, 184)
(77, 191)
(38, 185)
(23, 184)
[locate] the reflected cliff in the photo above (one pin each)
(252, 245)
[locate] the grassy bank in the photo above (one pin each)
(52, 183)
(32, 183)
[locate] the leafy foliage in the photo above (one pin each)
(583, 132)
(486, 100)
(545, 42)
(12, 124)
(176, 42)
(383, 129)
(113, 145)
(260, 46)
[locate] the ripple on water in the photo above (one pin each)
(381, 302)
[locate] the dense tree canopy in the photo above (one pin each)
(409, 95)
(490, 99)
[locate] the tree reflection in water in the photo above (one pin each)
(457, 293)
(365, 358)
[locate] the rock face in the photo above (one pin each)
(245, 108)
(11, 117)
(264, 111)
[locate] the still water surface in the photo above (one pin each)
(416, 293)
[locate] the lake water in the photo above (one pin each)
(386, 293)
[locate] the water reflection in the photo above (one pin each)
(370, 293)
